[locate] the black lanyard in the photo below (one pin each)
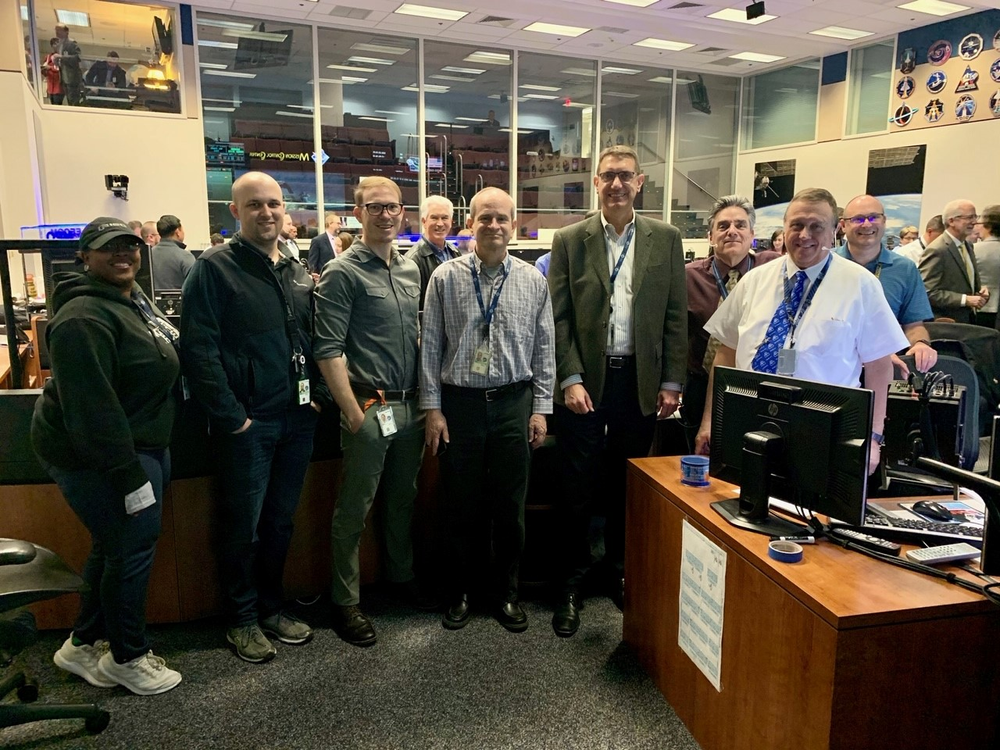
(804, 304)
(155, 323)
(488, 313)
(291, 326)
(718, 279)
(621, 258)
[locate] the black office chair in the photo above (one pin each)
(29, 573)
(980, 347)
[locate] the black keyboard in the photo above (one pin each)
(915, 531)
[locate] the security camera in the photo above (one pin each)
(117, 184)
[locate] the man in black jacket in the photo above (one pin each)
(248, 362)
(433, 248)
(106, 74)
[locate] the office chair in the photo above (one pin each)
(980, 347)
(29, 573)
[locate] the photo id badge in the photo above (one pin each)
(386, 421)
(481, 360)
(304, 392)
(786, 362)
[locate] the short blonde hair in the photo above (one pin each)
(374, 182)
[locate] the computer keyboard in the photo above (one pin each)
(915, 531)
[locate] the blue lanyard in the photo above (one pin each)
(487, 314)
(621, 258)
(718, 279)
(804, 304)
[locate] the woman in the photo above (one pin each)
(53, 78)
(778, 241)
(101, 429)
(908, 234)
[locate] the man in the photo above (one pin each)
(619, 303)
(487, 366)
(864, 228)
(433, 249)
(67, 59)
(908, 234)
(932, 230)
(366, 326)
(988, 259)
(948, 267)
(149, 234)
(709, 281)
(136, 227)
(288, 234)
(171, 260)
(491, 120)
(772, 322)
(106, 74)
(321, 249)
(247, 327)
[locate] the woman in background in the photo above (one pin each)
(778, 241)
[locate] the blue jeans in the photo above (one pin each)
(121, 555)
(262, 471)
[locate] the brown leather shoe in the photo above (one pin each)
(351, 624)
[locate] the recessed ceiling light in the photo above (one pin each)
(219, 109)
(264, 36)
(389, 112)
(589, 72)
(214, 66)
(217, 45)
(439, 77)
(548, 97)
(285, 113)
(470, 71)
(636, 3)
(471, 119)
(370, 60)
(488, 58)
(621, 95)
(449, 125)
(934, 7)
(375, 119)
(384, 49)
(224, 24)
(520, 132)
(556, 29)
(654, 43)
(622, 71)
(839, 32)
(535, 87)
(497, 96)
(352, 79)
(739, 15)
(73, 18)
(757, 57)
(228, 74)
(578, 105)
(661, 79)
(428, 11)
(429, 88)
(353, 67)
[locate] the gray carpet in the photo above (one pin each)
(420, 687)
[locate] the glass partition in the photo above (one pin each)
(30, 60)
(870, 88)
(257, 107)
(780, 106)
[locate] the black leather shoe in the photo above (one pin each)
(618, 593)
(414, 595)
(457, 614)
(351, 624)
(566, 619)
(512, 617)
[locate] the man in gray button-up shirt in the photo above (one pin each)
(366, 347)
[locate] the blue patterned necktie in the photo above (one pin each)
(766, 359)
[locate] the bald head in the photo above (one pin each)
(491, 194)
(864, 227)
(260, 209)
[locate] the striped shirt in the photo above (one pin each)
(621, 333)
(521, 336)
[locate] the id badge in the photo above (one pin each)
(304, 398)
(786, 362)
(185, 391)
(386, 421)
(481, 360)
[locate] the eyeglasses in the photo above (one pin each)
(966, 217)
(376, 209)
(860, 220)
(609, 177)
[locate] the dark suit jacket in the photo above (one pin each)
(946, 279)
(581, 286)
(98, 75)
(69, 63)
(320, 252)
(427, 261)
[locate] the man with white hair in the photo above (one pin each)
(948, 267)
(433, 250)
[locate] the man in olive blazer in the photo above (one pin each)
(953, 293)
(621, 352)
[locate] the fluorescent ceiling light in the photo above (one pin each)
(429, 11)
(284, 113)
(264, 36)
(376, 119)
(933, 7)
(589, 72)
(554, 28)
(429, 88)
(440, 77)
(535, 87)
(621, 95)
(622, 71)
(228, 74)
(450, 125)
(521, 132)
(470, 71)
(389, 112)
(661, 79)
(217, 45)
(636, 3)
(352, 79)
(578, 105)
(497, 96)
(354, 68)
(547, 97)
(489, 58)
(384, 49)
(220, 101)
(654, 43)
(73, 18)
(224, 24)
(213, 66)
(370, 60)
(757, 57)
(219, 109)
(471, 119)
(739, 15)
(839, 32)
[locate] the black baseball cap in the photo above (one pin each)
(102, 230)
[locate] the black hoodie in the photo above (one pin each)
(111, 391)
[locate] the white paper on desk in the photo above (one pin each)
(702, 600)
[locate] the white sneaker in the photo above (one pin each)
(144, 675)
(82, 661)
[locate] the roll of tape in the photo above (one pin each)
(789, 552)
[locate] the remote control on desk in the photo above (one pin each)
(873, 543)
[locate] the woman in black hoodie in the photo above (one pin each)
(101, 429)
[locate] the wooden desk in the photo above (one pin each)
(837, 651)
(22, 350)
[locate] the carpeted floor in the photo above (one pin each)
(480, 688)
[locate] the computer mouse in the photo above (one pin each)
(933, 510)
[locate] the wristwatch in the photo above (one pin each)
(878, 437)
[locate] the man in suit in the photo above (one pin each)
(321, 250)
(68, 59)
(433, 249)
(106, 74)
(948, 267)
(620, 306)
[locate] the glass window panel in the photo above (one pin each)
(635, 111)
(705, 148)
(30, 69)
(781, 106)
(871, 82)
(555, 141)
(257, 107)
(368, 117)
(114, 56)
(468, 104)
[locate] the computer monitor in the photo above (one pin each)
(794, 440)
